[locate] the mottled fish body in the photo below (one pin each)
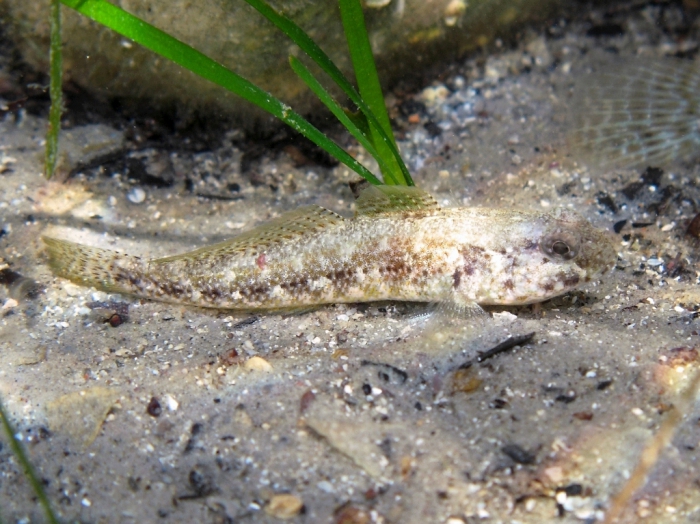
(639, 112)
(400, 246)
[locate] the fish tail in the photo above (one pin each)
(91, 266)
(636, 113)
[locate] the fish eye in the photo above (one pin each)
(561, 248)
(561, 244)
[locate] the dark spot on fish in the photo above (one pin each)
(171, 289)
(339, 275)
(211, 293)
(472, 256)
(397, 268)
(292, 284)
(571, 280)
(255, 291)
(456, 278)
(509, 284)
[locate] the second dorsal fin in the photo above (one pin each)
(382, 200)
(285, 228)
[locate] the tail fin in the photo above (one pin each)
(636, 113)
(91, 266)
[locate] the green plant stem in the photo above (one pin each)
(56, 72)
(165, 45)
(324, 96)
(18, 451)
(368, 81)
(306, 44)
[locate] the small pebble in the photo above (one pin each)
(325, 486)
(171, 403)
(154, 408)
(10, 303)
(354, 515)
(257, 364)
(555, 474)
(136, 195)
(284, 506)
(72, 290)
(694, 227)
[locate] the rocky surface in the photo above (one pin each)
(408, 37)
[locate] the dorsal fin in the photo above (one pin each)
(382, 200)
(285, 228)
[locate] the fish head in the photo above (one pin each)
(546, 255)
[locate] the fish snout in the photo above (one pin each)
(598, 254)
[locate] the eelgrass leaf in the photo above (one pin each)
(368, 82)
(55, 92)
(324, 96)
(173, 49)
(21, 456)
(306, 44)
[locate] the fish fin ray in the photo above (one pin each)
(93, 266)
(383, 200)
(285, 228)
(635, 114)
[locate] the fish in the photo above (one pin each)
(400, 246)
(638, 113)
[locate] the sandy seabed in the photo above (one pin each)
(137, 411)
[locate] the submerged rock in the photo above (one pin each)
(407, 36)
